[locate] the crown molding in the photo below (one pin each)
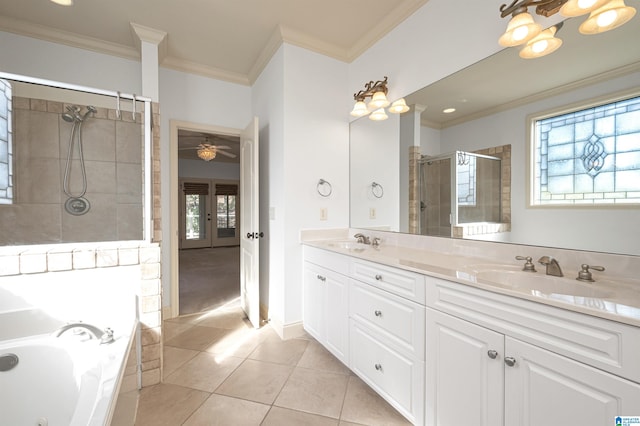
(153, 36)
(41, 32)
(204, 70)
(384, 27)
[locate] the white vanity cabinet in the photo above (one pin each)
(326, 298)
(495, 360)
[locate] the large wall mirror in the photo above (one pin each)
(424, 156)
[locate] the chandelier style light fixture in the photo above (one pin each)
(604, 15)
(207, 152)
(377, 91)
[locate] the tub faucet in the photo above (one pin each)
(362, 238)
(553, 267)
(105, 336)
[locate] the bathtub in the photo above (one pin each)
(69, 380)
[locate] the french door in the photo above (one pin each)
(209, 213)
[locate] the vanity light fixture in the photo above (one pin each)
(207, 153)
(377, 91)
(604, 15)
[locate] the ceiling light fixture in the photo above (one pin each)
(449, 110)
(604, 15)
(63, 2)
(377, 91)
(207, 153)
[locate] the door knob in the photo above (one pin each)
(492, 354)
(510, 361)
(250, 235)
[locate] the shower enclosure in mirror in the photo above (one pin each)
(74, 164)
(460, 195)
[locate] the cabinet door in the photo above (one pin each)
(337, 316)
(313, 320)
(465, 373)
(543, 388)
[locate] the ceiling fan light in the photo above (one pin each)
(207, 153)
(378, 115)
(359, 109)
(399, 107)
(612, 15)
(378, 100)
(520, 29)
(574, 8)
(541, 45)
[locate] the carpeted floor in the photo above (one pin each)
(209, 278)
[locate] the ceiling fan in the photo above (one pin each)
(208, 151)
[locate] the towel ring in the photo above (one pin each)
(324, 188)
(377, 190)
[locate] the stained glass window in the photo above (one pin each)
(589, 156)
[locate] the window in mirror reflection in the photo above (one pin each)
(588, 156)
(6, 157)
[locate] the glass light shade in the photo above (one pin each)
(379, 100)
(378, 115)
(63, 2)
(359, 109)
(574, 8)
(399, 106)
(541, 45)
(520, 29)
(207, 154)
(612, 15)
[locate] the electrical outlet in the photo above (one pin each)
(372, 213)
(323, 213)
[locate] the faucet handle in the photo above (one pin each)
(585, 274)
(528, 266)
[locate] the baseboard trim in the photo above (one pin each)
(166, 312)
(288, 331)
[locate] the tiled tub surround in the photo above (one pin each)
(53, 266)
(113, 153)
(616, 291)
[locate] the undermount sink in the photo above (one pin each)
(539, 282)
(352, 246)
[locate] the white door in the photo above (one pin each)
(250, 223)
(465, 373)
(543, 388)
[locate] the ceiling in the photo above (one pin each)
(225, 39)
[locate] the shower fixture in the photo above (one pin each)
(76, 204)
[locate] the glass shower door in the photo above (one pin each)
(435, 197)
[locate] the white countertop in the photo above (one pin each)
(612, 298)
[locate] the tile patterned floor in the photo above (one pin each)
(220, 371)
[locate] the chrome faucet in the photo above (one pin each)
(105, 336)
(362, 238)
(553, 267)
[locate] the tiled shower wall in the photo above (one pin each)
(113, 150)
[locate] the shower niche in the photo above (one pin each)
(77, 162)
(465, 194)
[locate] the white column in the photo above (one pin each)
(152, 45)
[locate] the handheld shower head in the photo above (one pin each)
(68, 118)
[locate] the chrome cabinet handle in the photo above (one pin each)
(492, 354)
(321, 278)
(378, 277)
(378, 367)
(510, 361)
(377, 313)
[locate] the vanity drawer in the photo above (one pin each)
(402, 319)
(327, 259)
(398, 379)
(406, 284)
